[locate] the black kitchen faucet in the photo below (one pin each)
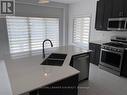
(43, 44)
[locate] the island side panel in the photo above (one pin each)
(68, 86)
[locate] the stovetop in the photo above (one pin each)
(116, 44)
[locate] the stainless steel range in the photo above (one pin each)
(112, 55)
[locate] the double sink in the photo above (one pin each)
(54, 59)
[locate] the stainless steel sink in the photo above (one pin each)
(55, 59)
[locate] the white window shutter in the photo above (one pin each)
(52, 31)
(37, 32)
(18, 34)
(81, 31)
(28, 33)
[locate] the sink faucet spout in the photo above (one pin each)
(43, 44)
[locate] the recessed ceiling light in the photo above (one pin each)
(45, 74)
(43, 1)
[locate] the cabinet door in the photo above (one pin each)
(124, 65)
(107, 12)
(97, 57)
(125, 8)
(99, 15)
(66, 86)
(118, 8)
(93, 53)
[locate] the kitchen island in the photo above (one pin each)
(26, 74)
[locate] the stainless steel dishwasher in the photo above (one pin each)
(81, 62)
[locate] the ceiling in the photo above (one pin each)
(66, 1)
(60, 1)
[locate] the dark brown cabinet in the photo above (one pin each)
(66, 86)
(107, 12)
(103, 12)
(95, 54)
(124, 65)
(99, 15)
(125, 8)
(118, 8)
(109, 9)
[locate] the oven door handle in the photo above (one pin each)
(120, 53)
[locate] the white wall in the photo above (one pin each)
(88, 8)
(3, 38)
(32, 9)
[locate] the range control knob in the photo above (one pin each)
(103, 47)
(118, 50)
(114, 49)
(111, 49)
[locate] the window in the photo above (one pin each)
(81, 31)
(28, 33)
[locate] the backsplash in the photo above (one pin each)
(106, 35)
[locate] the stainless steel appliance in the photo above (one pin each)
(112, 55)
(81, 62)
(117, 24)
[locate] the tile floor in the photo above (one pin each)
(103, 83)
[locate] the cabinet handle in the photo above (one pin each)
(120, 13)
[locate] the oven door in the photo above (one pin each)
(111, 59)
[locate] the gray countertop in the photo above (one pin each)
(21, 75)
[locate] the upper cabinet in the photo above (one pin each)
(99, 15)
(125, 8)
(103, 12)
(118, 8)
(107, 12)
(109, 9)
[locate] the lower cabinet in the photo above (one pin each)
(67, 86)
(95, 54)
(124, 65)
